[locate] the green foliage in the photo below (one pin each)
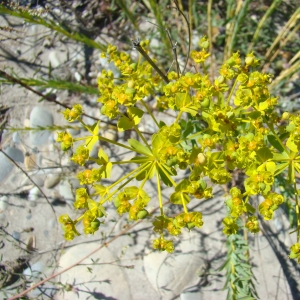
(239, 276)
(243, 132)
(224, 123)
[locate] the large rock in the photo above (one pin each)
(104, 279)
(170, 274)
(40, 117)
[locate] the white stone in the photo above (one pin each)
(16, 137)
(38, 180)
(26, 123)
(40, 117)
(3, 203)
(2, 216)
(77, 76)
(170, 274)
(54, 59)
(190, 296)
(34, 193)
(34, 272)
(16, 235)
(51, 181)
(110, 134)
(74, 131)
(105, 281)
(65, 191)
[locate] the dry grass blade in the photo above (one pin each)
(286, 73)
(284, 32)
(27, 16)
(129, 14)
(209, 34)
(240, 17)
(262, 22)
(233, 9)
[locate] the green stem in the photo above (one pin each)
(193, 135)
(231, 92)
(276, 136)
(128, 175)
(120, 145)
(159, 193)
(297, 211)
(86, 126)
(138, 161)
(139, 48)
(125, 183)
(167, 174)
(83, 138)
(190, 34)
(149, 112)
(178, 117)
(147, 176)
(142, 137)
(184, 204)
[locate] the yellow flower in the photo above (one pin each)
(199, 56)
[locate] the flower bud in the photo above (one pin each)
(201, 158)
(249, 60)
(142, 214)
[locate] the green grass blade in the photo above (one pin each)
(35, 19)
(261, 23)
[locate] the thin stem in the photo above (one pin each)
(149, 112)
(124, 184)
(178, 117)
(101, 138)
(189, 31)
(184, 204)
(86, 126)
(231, 92)
(26, 174)
(297, 211)
(141, 136)
(127, 175)
(139, 48)
(167, 174)
(138, 161)
(147, 176)
(209, 7)
(193, 135)
(159, 192)
(276, 136)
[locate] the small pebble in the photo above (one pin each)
(2, 216)
(33, 194)
(16, 235)
(16, 137)
(3, 203)
(40, 117)
(51, 181)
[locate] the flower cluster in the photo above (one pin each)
(221, 126)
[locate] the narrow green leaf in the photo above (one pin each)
(125, 123)
(274, 142)
(193, 110)
(163, 177)
(139, 147)
(264, 154)
(90, 142)
(135, 114)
